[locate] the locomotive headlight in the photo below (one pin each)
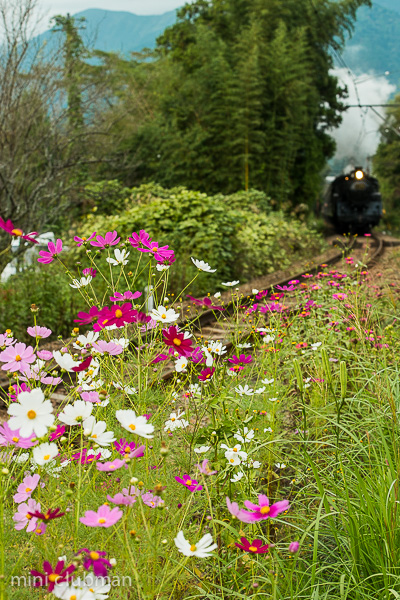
(359, 174)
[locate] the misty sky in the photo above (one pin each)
(140, 7)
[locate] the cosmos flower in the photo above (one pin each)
(39, 332)
(206, 302)
(110, 239)
(12, 437)
(111, 465)
(202, 549)
(95, 559)
(50, 515)
(202, 266)
(25, 489)
(23, 515)
(17, 357)
(254, 547)
(108, 347)
(139, 239)
(206, 374)
(191, 484)
(82, 282)
(53, 251)
(165, 315)
(117, 315)
(96, 431)
(244, 390)
(230, 283)
(121, 258)
(83, 240)
(118, 297)
(52, 576)
(89, 271)
(10, 228)
(135, 424)
(205, 469)
(177, 340)
(85, 318)
(126, 497)
(31, 414)
(45, 453)
(65, 361)
(160, 253)
(104, 517)
(261, 511)
(75, 413)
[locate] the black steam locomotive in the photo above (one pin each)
(353, 202)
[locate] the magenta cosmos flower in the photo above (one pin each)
(89, 271)
(52, 513)
(40, 332)
(10, 228)
(254, 547)
(60, 430)
(239, 362)
(24, 517)
(54, 251)
(261, 511)
(123, 447)
(118, 297)
(176, 339)
(84, 240)
(85, 364)
(85, 318)
(116, 315)
(190, 484)
(110, 239)
(139, 239)
(86, 456)
(206, 374)
(96, 559)
(160, 253)
(11, 437)
(52, 576)
(104, 517)
(25, 489)
(17, 358)
(205, 302)
(294, 547)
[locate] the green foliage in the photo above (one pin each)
(104, 197)
(238, 234)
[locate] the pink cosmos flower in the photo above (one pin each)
(5, 340)
(139, 239)
(52, 576)
(110, 347)
(25, 489)
(123, 447)
(110, 239)
(89, 271)
(293, 547)
(111, 465)
(190, 484)
(127, 497)
(233, 507)
(205, 302)
(15, 389)
(11, 437)
(206, 374)
(160, 253)
(239, 362)
(54, 251)
(116, 315)
(139, 451)
(10, 228)
(86, 318)
(118, 297)
(151, 500)
(40, 332)
(261, 511)
(44, 355)
(49, 380)
(17, 358)
(59, 432)
(96, 559)
(23, 517)
(205, 469)
(90, 397)
(176, 339)
(254, 547)
(104, 517)
(79, 241)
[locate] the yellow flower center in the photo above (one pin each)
(15, 439)
(173, 419)
(163, 316)
(83, 239)
(188, 482)
(127, 449)
(232, 460)
(18, 358)
(253, 549)
(132, 426)
(46, 457)
(112, 467)
(73, 597)
(28, 490)
(94, 435)
(31, 414)
(101, 521)
(235, 449)
(193, 548)
(28, 516)
(265, 510)
(17, 232)
(94, 555)
(177, 342)
(118, 313)
(53, 577)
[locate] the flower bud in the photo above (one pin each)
(5, 471)
(34, 308)
(134, 480)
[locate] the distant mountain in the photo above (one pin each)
(375, 44)
(114, 31)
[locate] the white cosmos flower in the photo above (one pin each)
(83, 341)
(65, 361)
(82, 282)
(31, 414)
(203, 266)
(88, 386)
(125, 388)
(234, 455)
(230, 283)
(75, 413)
(208, 356)
(165, 315)
(260, 390)
(237, 477)
(175, 422)
(247, 436)
(45, 453)
(217, 295)
(66, 591)
(181, 364)
(96, 431)
(201, 549)
(243, 345)
(161, 267)
(217, 347)
(124, 342)
(254, 291)
(202, 449)
(255, 464)
(244, 390)
(272, 399)
(267, 339)
(134, 424)
(268, 430)
(120, 258)
(280, 465)
(267, 381)
(316, 345)
(195, 389)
